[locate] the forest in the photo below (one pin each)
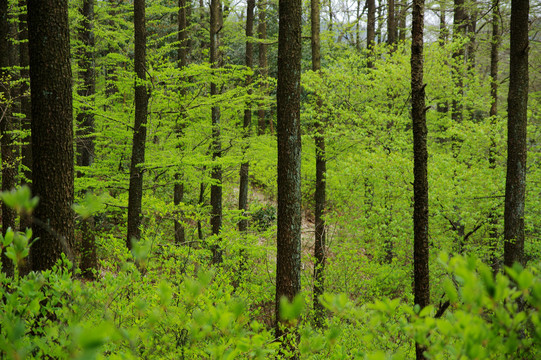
(270, 179)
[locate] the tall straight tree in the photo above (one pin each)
(370, 29)
(420, 160)
(245, 166)
(459, 31)
(8, 216)
(52, 130)
(288, 259)
(26, 110)
(517, 105)
(178, 191)
(321, 169)
(85, 128)
(263, 67)
(216, 174)
(392, 28)
(139, 130)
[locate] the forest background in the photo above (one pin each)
(200, 279)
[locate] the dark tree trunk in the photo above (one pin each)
(494, 50)
(263, 67)
(52, 130)
(26, 110)
(392, 30)
(245, 166)
(139, 129)
(459, 30)
(380, 21)
(471, 28)
(178, 191)
(420, 159)
(289, 159)
(443, 26)
(85, 130)
(8, 215)
(216, 174)
(321, 165)
(517, 103)
(370, 29)
(402, 20)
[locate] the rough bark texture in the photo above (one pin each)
(420, 159)
(402, 29)
(517, 101)
(26, 110)
(216, 173)
(245, 166)
(459, 31)
(263, 67)
(85, 130)
(289, 158)
(8, 215)
(321, 166)
(494, 50)
(52, 130)
(392, 29)
(370, 29)
(178, 190)
(139, 129)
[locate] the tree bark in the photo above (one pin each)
(245, 166)
(321, 165)
(370, 30)
(139, 129)
(517, 104)
(216, 174)
(263, 66)
(420, 159)
(183, 41)
(402, 20)
(392, 30)
(85, 127)
(459, 26)
(8, 176)
(289, 160)
(52, 130)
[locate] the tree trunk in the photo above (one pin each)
(392, 30)
(459, 25)
(289, 161)
(85, 127)
(321, 164)
(26, 111)
(370, 30)
(245, 166)
(402, 29)
(52, 130)
(420, 159)
(139, 129)
(8, 214)
(263, 67)
(178, 190)
(517, 104)
(216, 174)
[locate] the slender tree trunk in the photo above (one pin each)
(263, 67)
(471, 28)
(402, 21)
(289, 161)
(178, 190)
(244, 167)
(8, 216)
(85, 130)
(459, 25)
(380, 21)
(442, 37)
(135, 196)
(420, 159)
(52, 130)
(517, 104)
(321, 165)
(26, 110)
(370, 30)
(358, 26)
(494, 50)
(392, 30)
(216, 187)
